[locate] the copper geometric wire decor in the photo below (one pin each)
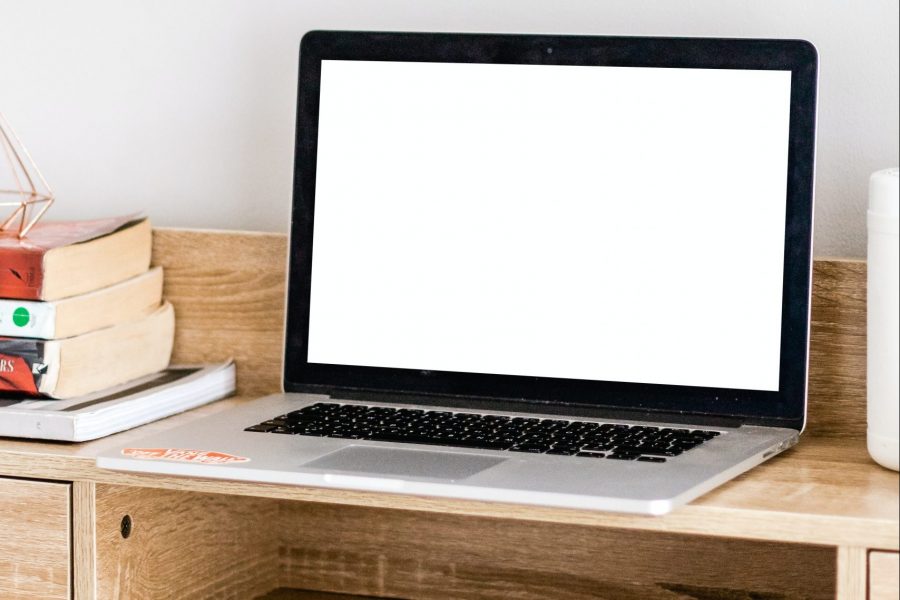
(28, 203)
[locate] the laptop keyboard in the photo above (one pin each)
(584, 439)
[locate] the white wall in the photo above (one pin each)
(185, 108)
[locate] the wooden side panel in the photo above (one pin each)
(84, 540)
(884, 576)
(837, 369)
(404, 554)
(184, 545)
(34, 540)
(228, 292)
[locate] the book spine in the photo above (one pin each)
(23, 365)
(21, 273)
(19, 318)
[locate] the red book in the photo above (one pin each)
(66, 258)
(16, 372)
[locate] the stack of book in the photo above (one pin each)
(80, 308)
(82, 314)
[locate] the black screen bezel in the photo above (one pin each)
(785, 408)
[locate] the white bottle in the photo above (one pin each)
(883, 327)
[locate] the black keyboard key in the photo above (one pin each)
(653, 459)
(630, 450)
(483, 444)
(684, 445)
(616, 456)
(584, 428)
(597, 447)
(477, 444)
(591, 454)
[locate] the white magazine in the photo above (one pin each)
(141, 401)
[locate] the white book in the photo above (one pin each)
(141, 401)
(128, 300)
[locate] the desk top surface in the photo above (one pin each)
(824, 491)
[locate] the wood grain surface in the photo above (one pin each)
(852, 567)
(884, 576)
(837, 349)
(406, 554)
(184, 546)
(190, 545)
(84, 540)
(295, 594)
(228, 292)
(824, 491)
(34, 540)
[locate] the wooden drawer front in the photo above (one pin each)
(34, 540)
(884, 576)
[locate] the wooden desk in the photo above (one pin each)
(817, 522)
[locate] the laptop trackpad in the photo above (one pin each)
(406, 463)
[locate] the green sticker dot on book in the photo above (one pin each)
(21, 316)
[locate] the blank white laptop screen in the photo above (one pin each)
(605, 223)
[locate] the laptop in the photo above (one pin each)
(568, 271)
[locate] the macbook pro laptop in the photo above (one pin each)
(559, 270)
